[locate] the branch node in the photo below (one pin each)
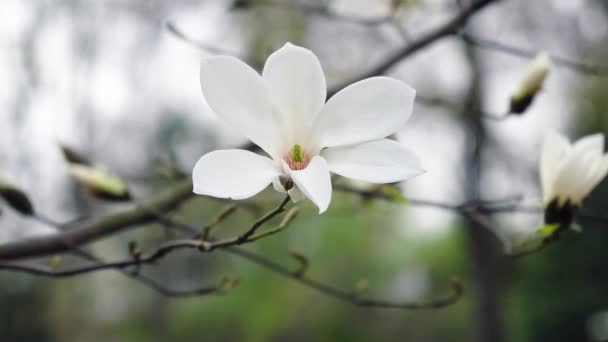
(361, 287)
(303, 263)
(134, 250)
(136, 254)
(228, 282)
(290, 216)
(221, 216)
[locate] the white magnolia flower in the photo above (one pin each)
(283, 111)
(569, 172)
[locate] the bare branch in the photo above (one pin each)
(89, 231)
(177, 32)
(349, 296)
(492, 45)
(451, 27)
(321, 11)
(231, 247)
(261, 221)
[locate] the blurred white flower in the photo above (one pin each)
(283, 111)
(569, 172)
(531, 83)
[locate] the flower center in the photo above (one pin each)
(297, 159)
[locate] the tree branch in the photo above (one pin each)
(447, 29)
(82, 233)
(492, 45)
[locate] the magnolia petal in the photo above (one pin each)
(235, 174)
(582, 174)
(377, 161)
(297, 87)
(578, 170)
(571, 176)
(367, 110)
(597, 174)
(238, 94)
(554, 148)
(590, 144)
(314, 181)
(593, 163)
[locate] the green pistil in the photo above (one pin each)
(296, 153)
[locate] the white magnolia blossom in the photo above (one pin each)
(283, 111)
(571, 171)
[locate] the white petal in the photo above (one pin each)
(580, 169)
(597, 174)
(377, 161)
(554, 148)
(571, 177)
(367, 110)
(297, 87)
(240, 96)
(235, 174)
(583, 173)
(314, 181)
(592, 163)
(592, 143)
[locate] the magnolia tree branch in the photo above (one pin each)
(203, 242)
(228, 245)
(516, 51)
(83, 233)
(349, 296)
(449, 28)
(314, 9)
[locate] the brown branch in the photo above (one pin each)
(243, 238)
(319, 10)
(160, 252)
(486, 207)
(453, 26)
(41, 270)
(231, 247)
(348, 296)
(89, 231)
(177, 32)
(511, 50)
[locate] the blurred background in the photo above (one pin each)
(118, 81)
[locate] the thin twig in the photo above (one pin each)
(177, 32)
(245, 236)
(349, 296)
(320, 10)
(452, 26)
(493, 45)
(166, 248)
(141, 278)
(80, 234)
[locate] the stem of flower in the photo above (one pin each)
(263, 220)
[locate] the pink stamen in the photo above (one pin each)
(297, 165)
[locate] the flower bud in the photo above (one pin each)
(99, 182)
(15, 198)
(531, 84)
